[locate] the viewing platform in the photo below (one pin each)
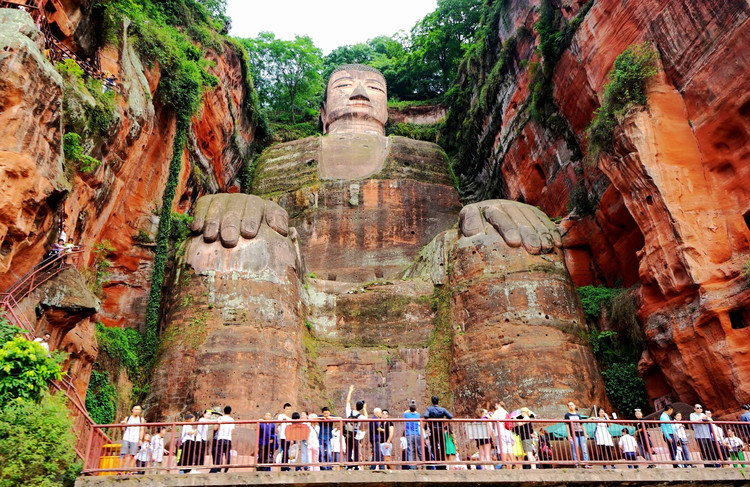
(717, 477)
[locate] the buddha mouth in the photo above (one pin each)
(360, 104)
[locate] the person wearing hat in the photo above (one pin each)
(412, 434)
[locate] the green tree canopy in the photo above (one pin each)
(287, 74)
(26, 370)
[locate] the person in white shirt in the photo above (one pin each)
(285, 415)
(44, 341)
(682, 439)
(505, 440)
(157, 449)
(201, 437)
(187, 440)
(224, 440)
(338, 446)
(628, 447)
(144, 453)
(131, 437)
(313, 442)
(734, 444)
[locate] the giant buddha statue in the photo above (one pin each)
(353, 261)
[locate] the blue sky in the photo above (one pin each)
(330, 23)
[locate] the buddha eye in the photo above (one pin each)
(344, 85)
(376, 88)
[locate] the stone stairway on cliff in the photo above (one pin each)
(9, 308)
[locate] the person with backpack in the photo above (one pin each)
(131, 437)
(351, 428)
(413, 435)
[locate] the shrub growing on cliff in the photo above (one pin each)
(101, 398)
(74, 153)
(594, 298)
(26, 370)
(625, 388)
(626, 88)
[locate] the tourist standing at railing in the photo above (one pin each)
(326, 434)
(505, 441)
(224, 440)
(157, 449)
(338, 446)
(201, 437)
(413, 435)
(437, 431)
(375, 428)
(717, 434)
(131, 437)
(734, 444)
(682, 440)
(284, 415)
(386, 446)
(703, 435)
(525, 429)
(667, 430)
(266, 442)
(745, 419)
(577, 433)
(313, 441)
(144, 454)
(57, 249)
(603, 439)
(351, 428)
(188, 443)
(628, 446)
(642, 436)
(484, 441)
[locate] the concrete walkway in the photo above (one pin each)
(419, 478)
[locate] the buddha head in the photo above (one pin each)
(356, 101)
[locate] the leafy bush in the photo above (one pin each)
(123, 345)
(7, 331)
(98, 274)
(180, 227)
(625, 387)
(74, 153)
(101, 398)
(594, 298)
(26, 370)
(626, 88)
(37, 446)
(71, 71)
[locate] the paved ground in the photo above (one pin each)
(402, 478)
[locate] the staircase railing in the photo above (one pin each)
(83, 425)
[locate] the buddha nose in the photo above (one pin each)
(359, 93)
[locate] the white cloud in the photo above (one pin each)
(330, 23)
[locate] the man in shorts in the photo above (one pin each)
(386, 447)
(131, 437)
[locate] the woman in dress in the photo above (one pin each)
(605, 446)
(484, 443)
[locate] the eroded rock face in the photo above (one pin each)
(31, 173)
(671, 206)
(65, 307)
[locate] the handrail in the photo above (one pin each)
(84, 426)
(434, 443)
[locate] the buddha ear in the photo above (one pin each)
(323, 117)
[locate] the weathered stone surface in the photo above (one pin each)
(422, 114)
(361, 229)
(31, 173)
(671, 203)
(234, 330)
(517, 318)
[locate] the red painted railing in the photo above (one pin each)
(83, 425)
(57, 50)
(444, 444)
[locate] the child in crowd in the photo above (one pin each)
(157, 449)
(628, 446)
(144, 453)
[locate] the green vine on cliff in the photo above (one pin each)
(625, 89)
(437, 370)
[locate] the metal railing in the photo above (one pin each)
(83, 425)
(432, 444)
(57, 50)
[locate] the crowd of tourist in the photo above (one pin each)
(504, 440)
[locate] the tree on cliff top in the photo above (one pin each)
(286, 73)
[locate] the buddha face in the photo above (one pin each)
(356, 102)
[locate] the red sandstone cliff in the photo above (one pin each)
(672, 205)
